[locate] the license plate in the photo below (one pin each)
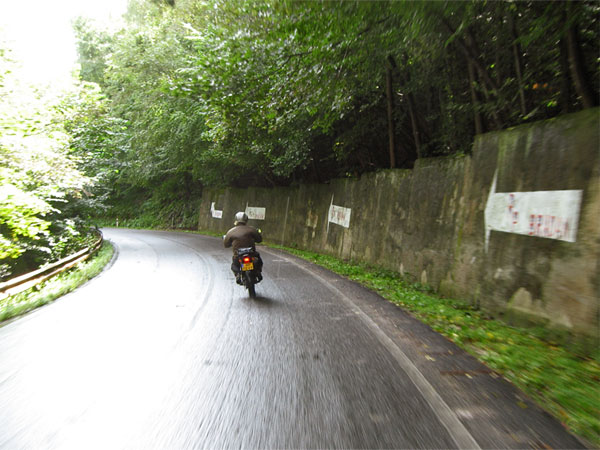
(248, 266)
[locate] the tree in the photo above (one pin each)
(269, 92)
(37, 177)
(94, 48)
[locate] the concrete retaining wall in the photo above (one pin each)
(430, 222)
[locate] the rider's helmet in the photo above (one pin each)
(240, 218)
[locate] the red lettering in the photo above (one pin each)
(558, 229)
(513, 215)
(531, 225)
(546, 226)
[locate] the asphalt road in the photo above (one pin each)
(164, 351)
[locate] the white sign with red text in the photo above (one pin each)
(547, 214)
(256, 213)
(340, 215)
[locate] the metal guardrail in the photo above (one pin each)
(24, 282)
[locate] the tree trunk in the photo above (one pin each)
(390, 116)
(565, 81)
(582, 86)
(516, 48)
(495, 117)
(471, 52)
(475, 100)
(414, 124)
(412, 113)
(315, 169)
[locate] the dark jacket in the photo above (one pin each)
(242, 236)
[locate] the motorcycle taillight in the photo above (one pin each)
(246, 259)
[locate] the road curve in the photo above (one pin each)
(164, 351)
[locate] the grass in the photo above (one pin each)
(57, 286)
(563, 382)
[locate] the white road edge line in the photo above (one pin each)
(457, 431)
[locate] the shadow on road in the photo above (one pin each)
(265, 302)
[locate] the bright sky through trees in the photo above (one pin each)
(41, 36)
(40, 181)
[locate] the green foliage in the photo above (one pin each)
(57, 286)
(98, 141)
(275, 92)
(93, 48)
(40, 182)
(20, 215)
(134, 209)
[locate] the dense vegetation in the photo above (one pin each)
(194, 93)
(43, 191)
(276, 92)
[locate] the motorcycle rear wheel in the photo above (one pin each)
(249, 282)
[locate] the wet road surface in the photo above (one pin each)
(164, 351)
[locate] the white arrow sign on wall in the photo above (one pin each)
(547, 214)
(215, 213)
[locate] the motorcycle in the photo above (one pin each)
(250, 265)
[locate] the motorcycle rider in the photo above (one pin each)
(242, 236)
